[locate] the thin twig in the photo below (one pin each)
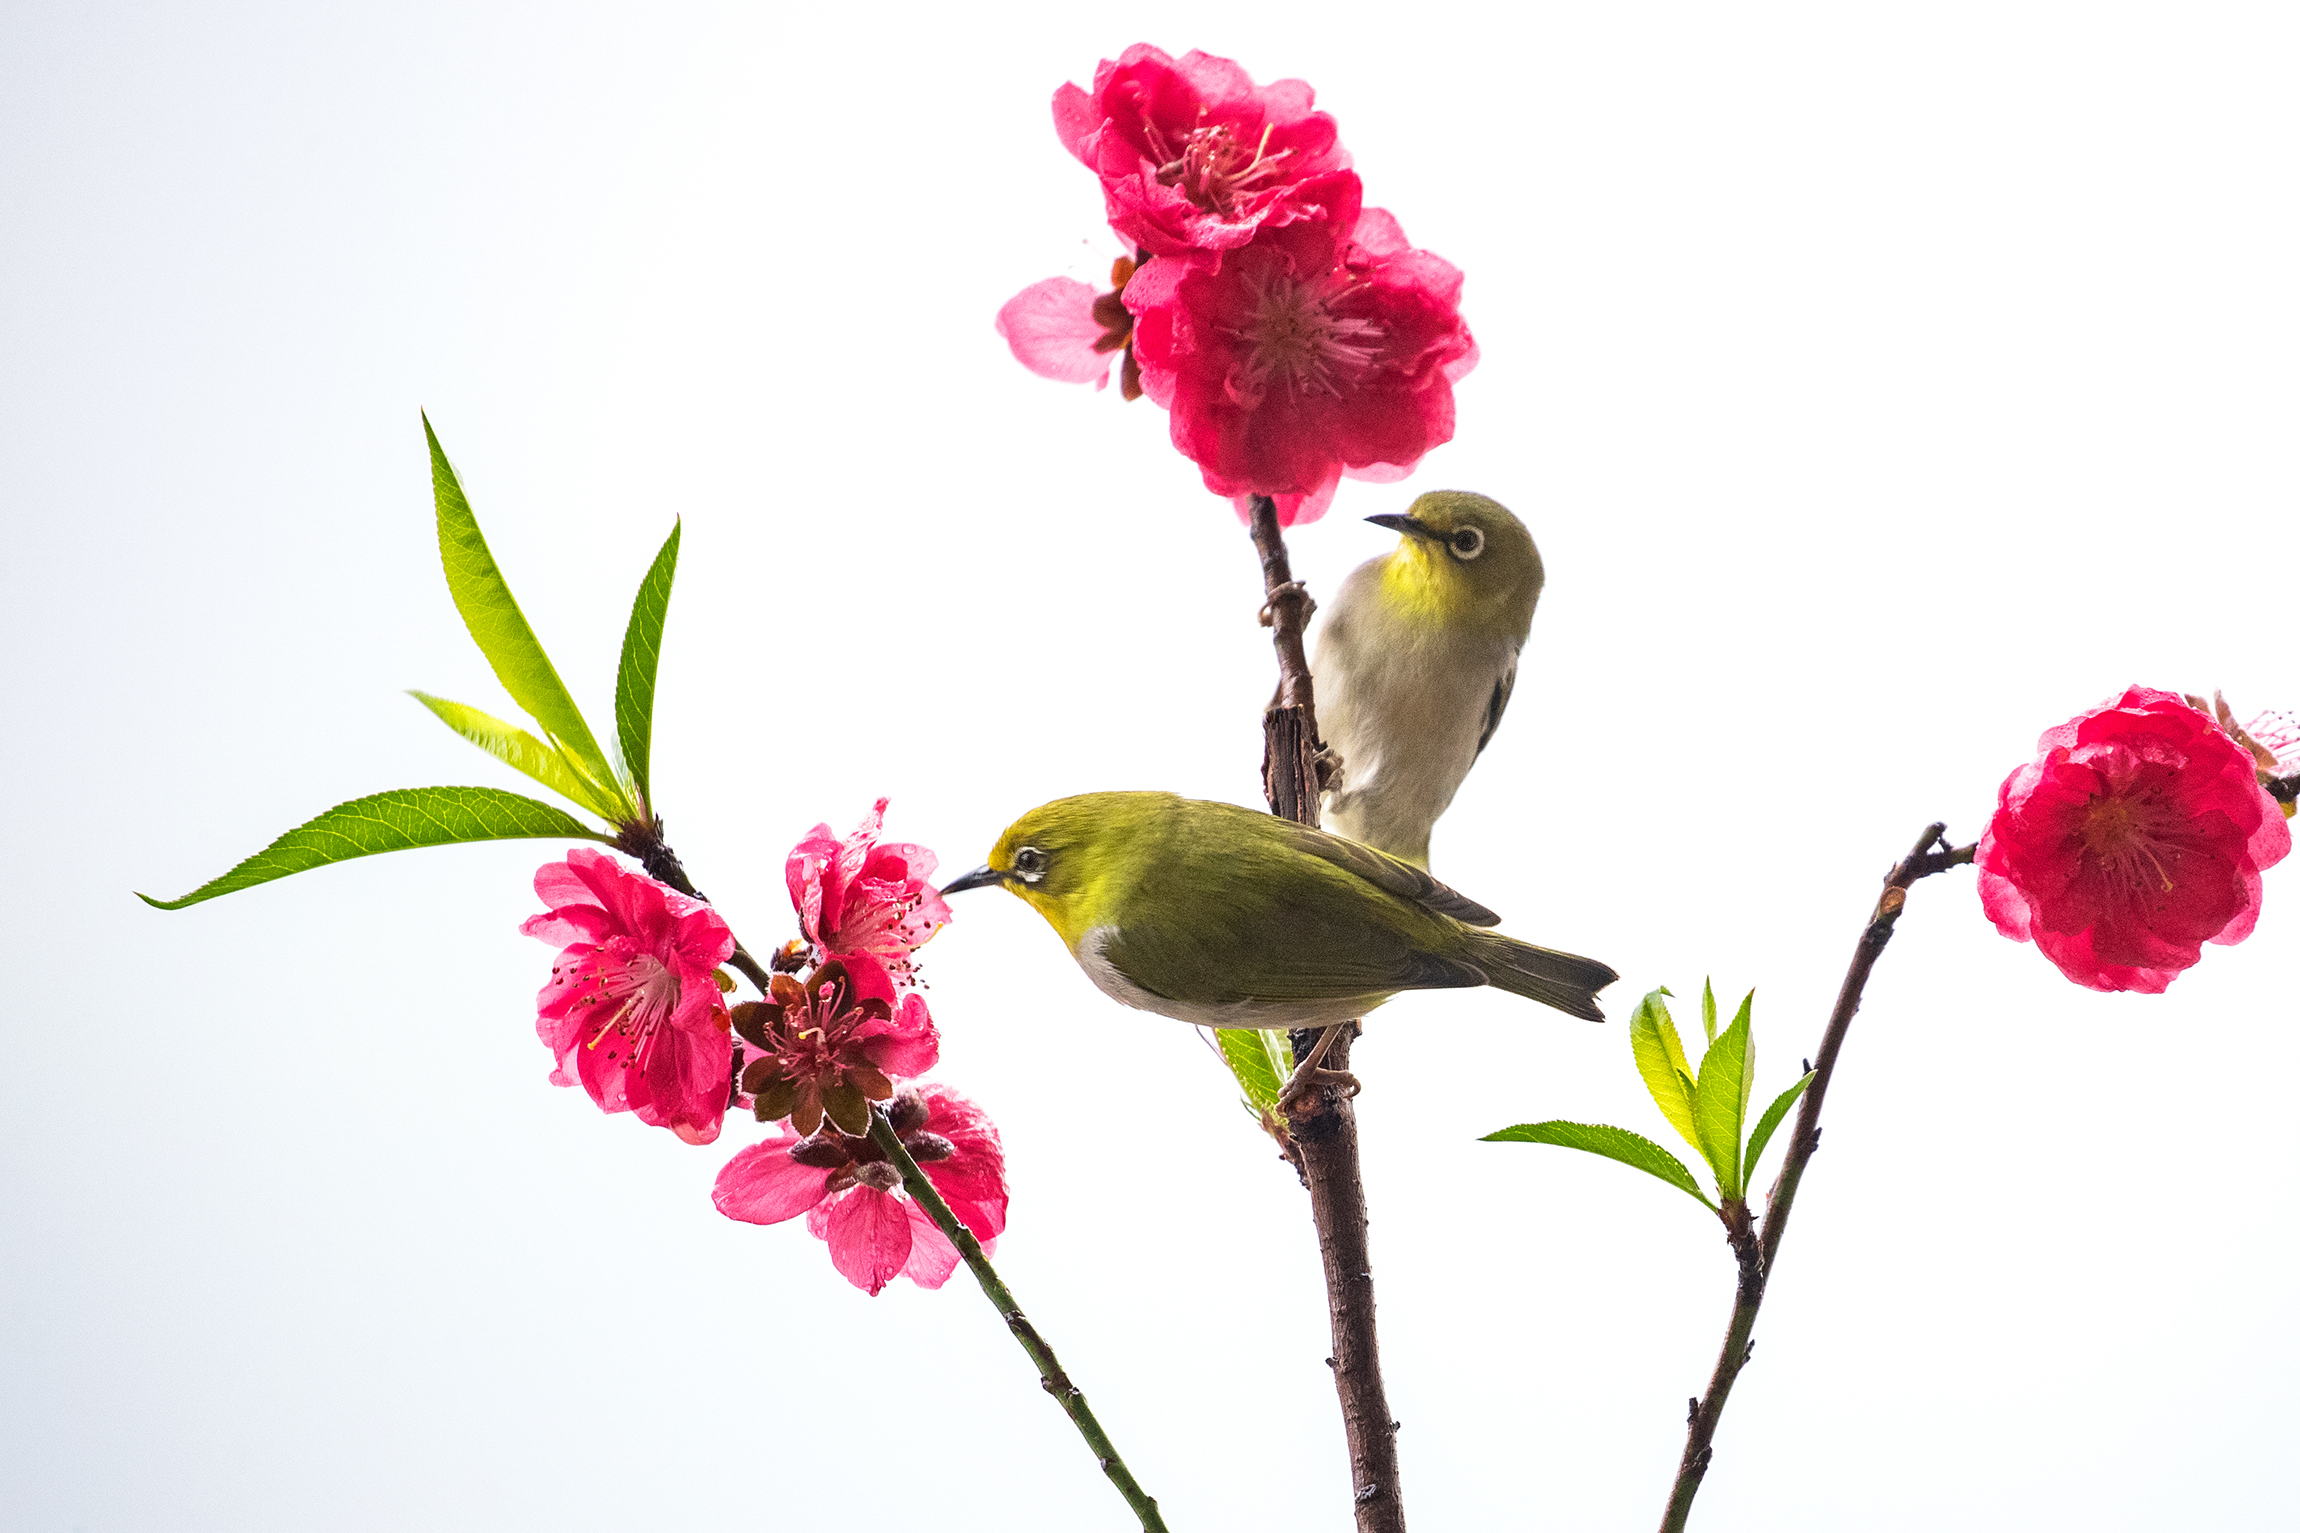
(645, 842)
(1050, 1375)
(1324, 1124)
(662, 864)
(1754, 1250)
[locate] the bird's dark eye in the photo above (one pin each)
(1468, 543)
(1029, 863)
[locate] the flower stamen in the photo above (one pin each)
(1291, 331)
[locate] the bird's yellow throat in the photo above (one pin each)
(1420, 582)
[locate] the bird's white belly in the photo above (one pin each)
(1261, 1015)
(1405, 708)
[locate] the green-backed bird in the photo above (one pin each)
(1415, 663)
(1229, 917)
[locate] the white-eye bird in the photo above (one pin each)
(1415, 663)
(1229, 917)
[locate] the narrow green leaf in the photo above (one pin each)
(1708, 1010)
(1771, 1120)
(1253, 1057)
(1721, 1103)
(500, 629)
(392, 822)
(1661, 1061)
(1741, 1019)
(635, 677)
(1614, 1143)
(515, 747)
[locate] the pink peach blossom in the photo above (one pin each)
(1192, 155)
(2137, 835)
(1066, 331)
(631, 1009)
(871, 906)
(852, 1194)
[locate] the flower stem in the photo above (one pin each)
(1754, 1250)
(644, 840)
(1323, 1125)
(662, 864)
(1050, 1374)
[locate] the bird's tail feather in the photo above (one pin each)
(1541, 974)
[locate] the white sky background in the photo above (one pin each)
(1882, 390)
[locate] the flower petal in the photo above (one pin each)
(1051, 329)
(869, 1234)
(763, 1185)
(932, 1257)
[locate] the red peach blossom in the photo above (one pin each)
(871, 906)
(631, 1010)
(2137, 835)
(1193, 155)
(1328, 346)
(853, 1198)
(816, 1047)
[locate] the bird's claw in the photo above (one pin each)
(1290, 588)
(1308, 1079)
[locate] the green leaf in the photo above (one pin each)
(1661, 1060)
(1721, 1102)
(1708, 1010)
(515, 747)
(635, 677)
(1771, 1120)
(1614, 1143)
(501, 632)
(1259, 1060)
(392, 822)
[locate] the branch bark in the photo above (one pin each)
(1324, 1124)
(646, 843)
(1754, 1249)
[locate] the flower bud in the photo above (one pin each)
(927, 1148)
(826, 1153)
(880, 1174)
(908, 1113)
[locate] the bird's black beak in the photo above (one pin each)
(981, 878)
(1412, 526)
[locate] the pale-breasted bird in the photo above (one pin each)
(1415, 663)
(1229, 917)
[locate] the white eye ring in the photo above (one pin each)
(1467, 543)
(1029, 864)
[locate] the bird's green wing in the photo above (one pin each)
(1388, 873)
(1225, 965)
(1500, 701)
